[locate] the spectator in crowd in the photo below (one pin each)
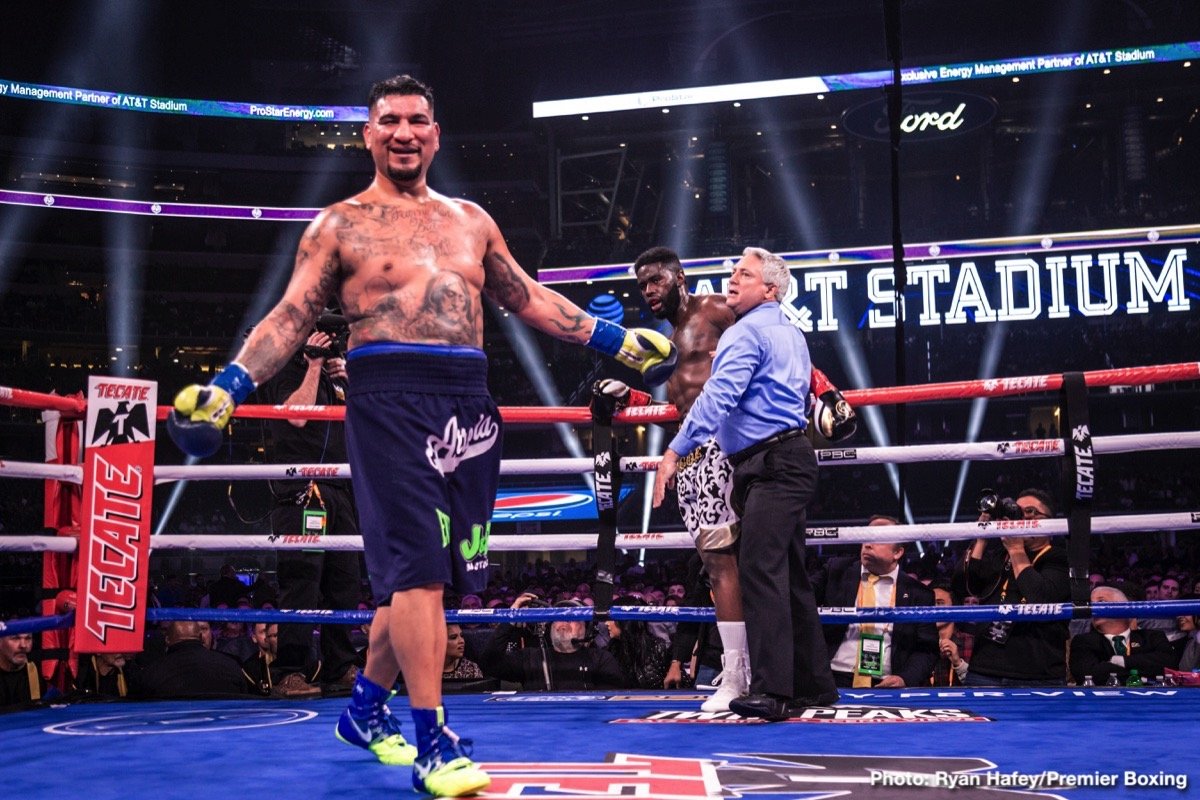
(1115, 648)
(233, 639)
(643, 657)
(328, 579)
(1168, 589)
(189, 669)
(458, 667)
(1028, 569)
(106, 675)
(20, 681)
(558, 657)
(882, 654)
(259, 669)
(1189, 657)
(226, 589)
(696, 645)
(954, 645)
(206, 634)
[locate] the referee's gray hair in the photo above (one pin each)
(774, 269)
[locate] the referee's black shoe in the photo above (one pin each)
(770, 707)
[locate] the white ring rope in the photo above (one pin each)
(932, 531)
(67, 473)
(910, 454)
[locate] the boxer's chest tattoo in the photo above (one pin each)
(416, 235)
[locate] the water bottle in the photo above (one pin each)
(1134, 679)
(1112, 680)
(1087, 681)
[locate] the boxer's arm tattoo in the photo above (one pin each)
(283, 330)
(570, 320)
(504, 284)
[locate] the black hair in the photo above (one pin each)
(1039, 495)
(399, 84)
(659, 255)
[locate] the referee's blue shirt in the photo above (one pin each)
(758, 388)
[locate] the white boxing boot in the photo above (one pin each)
(734, 681)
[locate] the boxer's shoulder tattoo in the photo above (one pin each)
(503, 284)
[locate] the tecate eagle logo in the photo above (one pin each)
(542, 505)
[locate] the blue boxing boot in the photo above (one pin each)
(444, 767)
(368, 723)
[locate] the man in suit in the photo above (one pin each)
(1113, 648)
(189, 669)
(884, 655)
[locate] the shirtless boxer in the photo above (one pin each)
(704, 477)
(409, 267)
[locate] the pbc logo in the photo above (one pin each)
(821, 533)
(732, 775)
(850, 454)
(1196, 516)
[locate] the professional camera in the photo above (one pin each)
(338, 330)
(999, 507)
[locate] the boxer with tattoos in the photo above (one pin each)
(410, 268)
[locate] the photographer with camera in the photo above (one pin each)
(558, 656)
(307, 578)
(1024, 569)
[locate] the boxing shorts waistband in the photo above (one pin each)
(769, 442)
(424, 368)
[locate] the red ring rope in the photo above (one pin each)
(988, 387)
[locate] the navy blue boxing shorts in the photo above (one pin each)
(424, 441)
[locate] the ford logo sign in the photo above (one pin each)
(925, 116)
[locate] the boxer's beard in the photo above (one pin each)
(404, 175)
(670, 304)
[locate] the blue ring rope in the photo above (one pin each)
(1029, 612)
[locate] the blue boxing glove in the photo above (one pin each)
(644, 349)
(202, 412)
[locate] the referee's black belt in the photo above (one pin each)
(765, 444)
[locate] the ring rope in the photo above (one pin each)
(830, 615)
(986, 387)
(679, 540)
(833, 457)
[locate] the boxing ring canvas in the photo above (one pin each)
(1076, 744)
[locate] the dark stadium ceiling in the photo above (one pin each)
(489, 60)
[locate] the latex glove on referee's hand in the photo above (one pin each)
(201, 413)
(644, 349)
(833, 416)
(610, 396)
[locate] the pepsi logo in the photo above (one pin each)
(541, 505)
